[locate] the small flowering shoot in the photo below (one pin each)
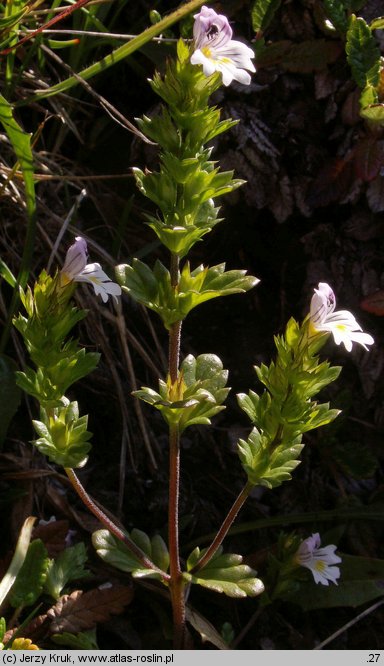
(59, 362)
(320, 561)
(342, 324)
(195, 396)
(216, 51)
(76, 269)
(285, 410)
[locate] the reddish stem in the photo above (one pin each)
(110, 525)
(176, 583)
(224, 529)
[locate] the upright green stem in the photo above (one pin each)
(224, 529)
(110, 525)
(176, 583)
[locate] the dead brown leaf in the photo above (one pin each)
(79, 611)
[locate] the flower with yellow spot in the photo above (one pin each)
(319, 560)
(342, 324)
(76, 269)
(216, 51)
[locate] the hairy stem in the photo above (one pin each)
(176, 583)
(225, 527)
(110, 525)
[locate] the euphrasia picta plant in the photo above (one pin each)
(185, 192)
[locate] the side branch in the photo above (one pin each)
(224, 529)
(110, 525)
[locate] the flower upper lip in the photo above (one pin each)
(319, 560)
(342, 323)
(216, 51)
(76, 269)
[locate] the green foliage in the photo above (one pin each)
(117, 554)
(282, 571)
(188, 181)
(83, 640)
(377, 24)
(373, 112)
(10, 394)
(69, 565)
(21, 144)
(197, 395)
(30, 580)
(363, 53)
(60, 363)
(63, 435)
(262, 13)
(336, 12)
(50, 383)
(285, 410)
(224, 573)
(267, 465)
(154, 288)
(3, 627)
(187, 209)
(7, 274)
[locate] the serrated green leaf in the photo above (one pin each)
(117, 554)
(84, 640)
(30, 580)
(363, 53)
(63, 435)
(69, 565)
(373, 113)
(161, 129)
(183, 53)
(336, 13)
(320, 415)
(377, 24)
(267, 467)
(197, 395)
(249, 404)
(262, 13)
(226, 574)
(153, 288)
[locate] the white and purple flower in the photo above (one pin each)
(342, 324)
(76, 269)
(216, 51)
(318, 560)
